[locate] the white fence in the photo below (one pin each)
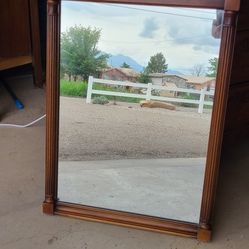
(148, 96)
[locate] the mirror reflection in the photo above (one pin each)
(136, 94)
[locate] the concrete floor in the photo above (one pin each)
(23, 226)
(169, 188)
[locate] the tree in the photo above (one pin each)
(212, 68)
(198, 70)
(157, 64)
(79, 52)
(144, 78)
(125, 65)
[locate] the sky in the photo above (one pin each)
(182, 35)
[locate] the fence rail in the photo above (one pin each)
(148, 94)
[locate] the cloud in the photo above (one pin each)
(198, 35)
(101, 10)
(150, 28)
(140, 34)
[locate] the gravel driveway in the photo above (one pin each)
(125, 130)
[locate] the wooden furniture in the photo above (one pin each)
(10, 62)
(202, 230)
(237, 116)
(19, 40)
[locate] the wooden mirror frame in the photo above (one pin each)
(52, 205)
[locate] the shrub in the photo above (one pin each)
(79, 89)
(191, 97)
(101, 100)
(72, 88)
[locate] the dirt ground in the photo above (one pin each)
(125, 130)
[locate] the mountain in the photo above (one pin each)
(118, 60)
(172, 71)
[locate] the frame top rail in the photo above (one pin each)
(208, 4)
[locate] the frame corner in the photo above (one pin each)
(204, 234)
(48, 207)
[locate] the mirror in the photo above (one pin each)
(137, 85)
(135, 114)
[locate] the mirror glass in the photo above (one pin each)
(137, 86)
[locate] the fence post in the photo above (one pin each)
(201, 101)
(89, 89)
(148, 93)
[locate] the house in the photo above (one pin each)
(161, 79)
(119, 74)
(171, 92)
(199, 82)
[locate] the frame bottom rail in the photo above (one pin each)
(126, 219)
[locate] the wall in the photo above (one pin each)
(157, 80)
(114, 74)
(181, 83)
(15, 37)
(237, 116)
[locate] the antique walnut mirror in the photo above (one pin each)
(136, 100)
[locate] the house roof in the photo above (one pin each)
(163, 75)
(129, 72)
(126, 71)
(197, 79)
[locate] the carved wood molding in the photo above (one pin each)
(211, 4)
(217, 124)
(52, 103)
(231, 5)
(127, 219)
